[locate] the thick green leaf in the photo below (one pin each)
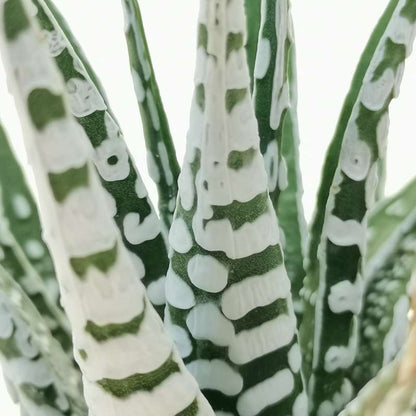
(275, 100)
(161, 158)
(39, 373)
(393, 390)
(121, 353)
(333, 287)
(390, 261)
(22, 251)
(128, 198)
(228, 293)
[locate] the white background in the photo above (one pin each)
(330, 38)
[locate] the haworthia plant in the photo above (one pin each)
(275, 102)
(161, 158)
(126, 193)
(237, 239)
(38, 372)
(228, 292)
(334, 281)
(22, 251)
(389, 266)
(129, 364)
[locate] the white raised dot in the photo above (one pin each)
(338, 357)
(84, 98)
(403, 32)
(56, 41)
(346, 296)
(271, 164)
(154, 115)
(138, 86)
(137, 232)
(283, 180)
(396, 336)
(140, 188)
(205, 321)
(326, 408)
(178, 292)
(179, 236)
(138, 265)
(295, 358)
(252, 401)
(156, 291)
(300, 407)
(111, 203)
(164, 159)
(34, 249)
(207, 273)
(186, 187)
(181, 339)
(262, 58)
(355, 159)
(152, 167)
(345, 233)
(382, 132)
(112, 160)
(6, 323)
(216, 375)
(21, 206)
(371, 186)
(374, 94)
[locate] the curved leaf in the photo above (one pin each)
(36, 368)
(333, 287)
(390, 260)
(161, 157)
(99, 286)
(128, 198)
(275, 100)
(393, 391)
(228, 293)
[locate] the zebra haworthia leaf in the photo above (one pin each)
(390, 260)
(102, 298)
(22, 251)
(393, 390)
(228, 293)
(275, 99)
(126, 193)
(334, 281)
(161, 158)
(39, 373)
(21, 211)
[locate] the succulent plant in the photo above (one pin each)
(220, 301)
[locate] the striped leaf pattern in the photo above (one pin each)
(129, 364)
(21, 212)
(393, 390)
(161, 158)
(332, 309)
(39, 374)
(275, 100)
(228, 293)
(22, 251)
(127, 196)
(389, 266)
